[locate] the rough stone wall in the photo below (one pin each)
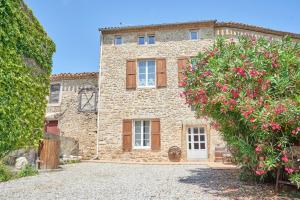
(81, 126)
(116, 103)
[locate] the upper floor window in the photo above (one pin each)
(146, 73)
(194, 35)
(151, 39)
(142, 134)
(118, 40)
(141, 40)
(54, 93)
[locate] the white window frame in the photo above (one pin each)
(192, 31)
(142, 135)
(59, 94)
(138, 75)
(115, 39)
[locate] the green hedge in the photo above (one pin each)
(25, 66)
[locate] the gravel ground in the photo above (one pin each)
(131, 181)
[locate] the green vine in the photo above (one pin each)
(25, 66)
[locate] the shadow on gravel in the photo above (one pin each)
(226, 183)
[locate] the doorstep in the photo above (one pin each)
(213, 165)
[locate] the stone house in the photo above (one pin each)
(140, 112)
(72, 112)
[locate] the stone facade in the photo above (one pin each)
(73, 123)
(116, 103)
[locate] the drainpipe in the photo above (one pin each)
(99, 92)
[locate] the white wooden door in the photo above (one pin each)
(196, 143)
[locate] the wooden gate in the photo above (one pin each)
(49, 154)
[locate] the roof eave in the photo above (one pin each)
(155, 26)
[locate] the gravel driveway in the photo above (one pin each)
(131, 181)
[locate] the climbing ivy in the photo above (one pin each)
(25, 66)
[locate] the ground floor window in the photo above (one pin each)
(141, 134)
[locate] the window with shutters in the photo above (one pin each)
(55, 90)
(146, 73)
(141, 136)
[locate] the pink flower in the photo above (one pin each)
(241, 71)
(280, 109)
(275, 64)
(260, 172)
(182, 94)
(224, 88)
(206, 73)
(285, 159)
(258, 149)
(232, 102)
(254, 73)
(275, 126)
(247, 113)
(201, 92)
(295, 131)
(288, 170)
(265, 126)
(211, 54)
(235, 93)
(252, 119)
(182, 84)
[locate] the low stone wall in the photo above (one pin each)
(30, 154)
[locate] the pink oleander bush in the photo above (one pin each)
(250, 89)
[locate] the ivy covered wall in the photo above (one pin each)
(25, 67)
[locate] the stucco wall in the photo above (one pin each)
(81, 126)
(116, 103)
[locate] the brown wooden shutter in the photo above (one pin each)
(161, 73)
(155, 134)
(182, 62)
(127, 135)
(131, 74)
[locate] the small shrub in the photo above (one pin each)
(5, 173)
(27, 170)
(295, 179)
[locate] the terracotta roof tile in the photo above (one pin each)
(83, 75)
(214, 23)
(255, 28)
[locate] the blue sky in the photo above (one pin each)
(73, 24)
